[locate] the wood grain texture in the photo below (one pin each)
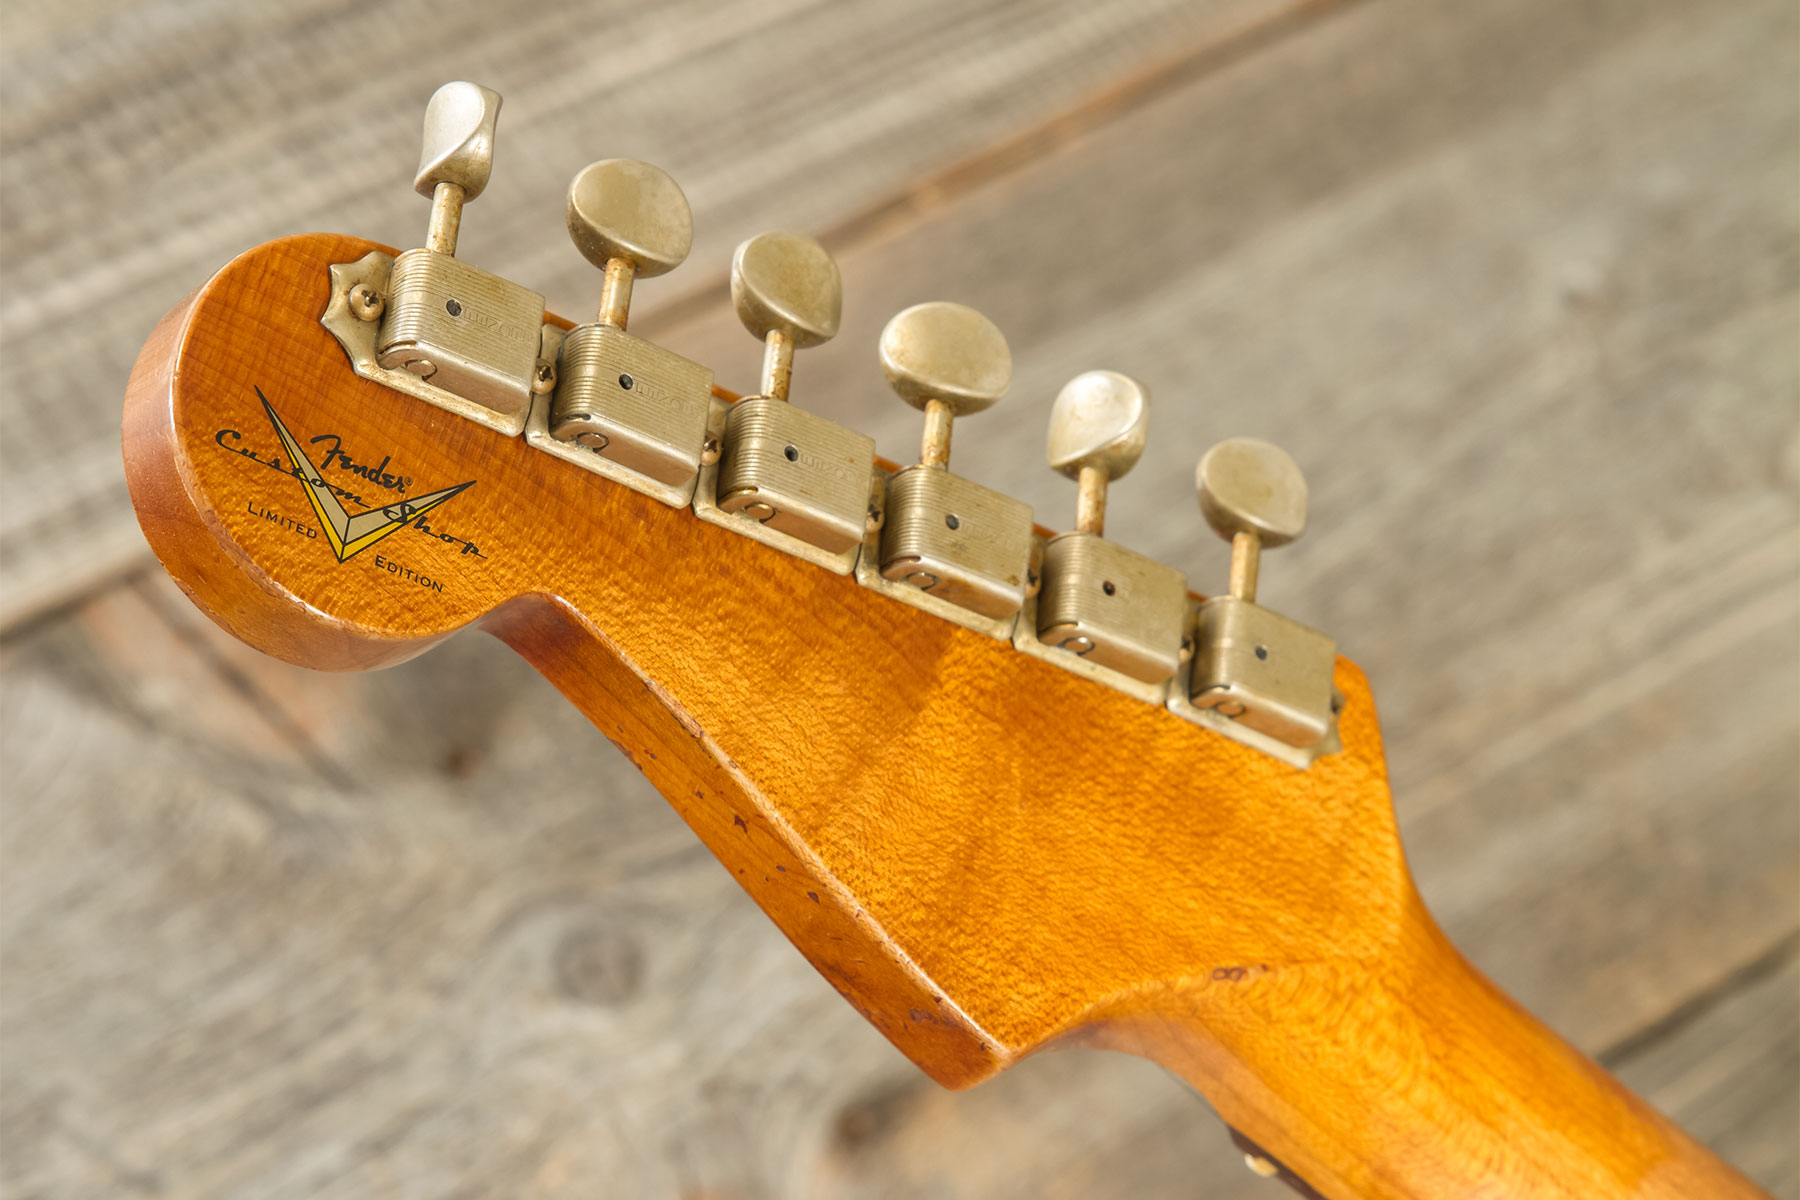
(984, 855)
(1609, 523)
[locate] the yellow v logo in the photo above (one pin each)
(350, 534)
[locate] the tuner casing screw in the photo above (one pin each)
(366, 303)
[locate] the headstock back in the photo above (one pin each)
(983, 852)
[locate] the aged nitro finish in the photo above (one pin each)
(984, 854)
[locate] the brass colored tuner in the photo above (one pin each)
(1257, 667)
(792, 470)
(452, 325)
(631, 402)
(945, 535)
(1113, 607)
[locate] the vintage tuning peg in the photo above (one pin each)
(1256, 666)
(457, 158)
(793, 471)
(632, 221)
(948, 360)
(459, 328)
(787, 292)
(1254, 496)
(629, 400)
(947, 535)
(1097, 429)
(1112, 606)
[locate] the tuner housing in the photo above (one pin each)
(1263, 671)
(813, 474)
(1112, 606)
(957, 541)
(632, 402)
(478, 333)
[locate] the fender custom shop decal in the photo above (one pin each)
(348, 533)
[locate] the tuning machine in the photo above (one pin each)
(787, 476)
(1263, 672)
(1100, 604)
(428, 323)
(624, 407)
(950, 545)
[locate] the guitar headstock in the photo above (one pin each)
(1002, 785)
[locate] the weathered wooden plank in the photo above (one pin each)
(1474, 265)
(145, 147)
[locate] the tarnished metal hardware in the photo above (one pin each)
(1112, 607)
(960, 542)
(1098, 426)
(796, 473)
(537, 434)
(945, 535)
(632, 402)
(358, 338)
(431, 325)
(1262, 670)
(633, 222)
(621, 399)
(839, 562)
(1177, 700)
(1025, 639)
(463, 330)
(869, 574)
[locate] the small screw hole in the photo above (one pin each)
(625, 382)
(952, 522)
(793, 454)
(1262, 652)
(453, 308)
(1108, 588)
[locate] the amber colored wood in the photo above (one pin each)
(985, 855)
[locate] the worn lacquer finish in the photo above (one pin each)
(984, 854)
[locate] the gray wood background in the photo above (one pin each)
(1516, 281)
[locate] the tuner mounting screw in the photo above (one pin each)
(543, 380)
(366, 303)
(709, 451)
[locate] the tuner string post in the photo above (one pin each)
(934, 446)
(1090, 500)
(446, 218)
(1246, 561)
(777, 365)
(615, 292)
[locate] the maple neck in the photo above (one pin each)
(1452, 1089)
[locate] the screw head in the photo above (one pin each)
(1100, 419)
(1247, 485)
(947, 352)
(623, 208)
(787, 281)
(365, 303)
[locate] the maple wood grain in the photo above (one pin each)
(985, 855)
